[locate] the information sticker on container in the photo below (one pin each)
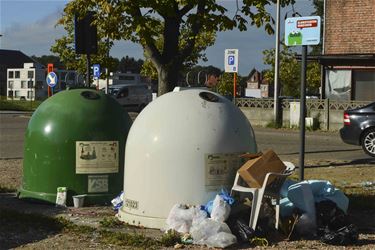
(97, 183)
(97, 157)
(221, 170)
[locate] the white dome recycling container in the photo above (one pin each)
(182, 148)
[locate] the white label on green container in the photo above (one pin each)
(97, 157)
(97, 183)
(221, 169)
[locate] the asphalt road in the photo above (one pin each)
(320, 146)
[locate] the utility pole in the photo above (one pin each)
(276, 106)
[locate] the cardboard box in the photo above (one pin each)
(254, 171)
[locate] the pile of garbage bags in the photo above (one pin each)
(320, 211)
(204, 224)
(312, 209)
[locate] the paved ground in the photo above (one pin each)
(319, 145)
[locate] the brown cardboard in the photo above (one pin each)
(254, 171)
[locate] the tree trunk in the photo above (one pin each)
(167, 77)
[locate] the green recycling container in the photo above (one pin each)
(75, 139)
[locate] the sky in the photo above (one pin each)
(30, 26)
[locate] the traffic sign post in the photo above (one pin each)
(96, 73)
(231, 60)
(302, 31)
(49, 69)
(231, 66)
(51, 80)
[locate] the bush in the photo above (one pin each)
(17, 105)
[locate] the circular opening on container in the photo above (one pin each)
(90, 95)
(207, 96)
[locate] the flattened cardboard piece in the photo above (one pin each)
(254, 171)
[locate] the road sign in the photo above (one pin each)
(231, 60)
(96, 71)
(302, 31)
(51, 79)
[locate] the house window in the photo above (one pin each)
(23, 84)
(30, 84)
(17, 93)
(10, 74)
(10, 93)
(16, 74)
(30, 74)
(30, 94)
(10, 84)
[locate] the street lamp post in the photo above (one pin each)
(276, 107)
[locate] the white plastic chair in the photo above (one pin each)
(271, 190)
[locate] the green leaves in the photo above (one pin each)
(290, 72)
(148, 22)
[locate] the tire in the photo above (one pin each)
(368, 142)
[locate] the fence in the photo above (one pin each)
(327, 114)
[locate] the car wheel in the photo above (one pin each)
(368, 142)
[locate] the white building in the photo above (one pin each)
(29, 82)
(23, 83)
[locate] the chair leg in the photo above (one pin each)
(277, 215)
(255, 209)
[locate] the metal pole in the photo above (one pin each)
(106, 68)
(199, 73)
(302, 114)
(234, 87)
(88, 71)
(276, 107)
(187, 78)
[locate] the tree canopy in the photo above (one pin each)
(173, 33)
(290, 72)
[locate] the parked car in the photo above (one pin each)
(134, 97)
(359, 128)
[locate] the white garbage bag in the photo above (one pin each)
(181, 217)
(221, 240)
(212, 233)
(220, 209)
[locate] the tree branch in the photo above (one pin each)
(195, 29)
(150, 43)
(184, 10)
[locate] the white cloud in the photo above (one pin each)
(33, 38)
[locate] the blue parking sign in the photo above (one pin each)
(96, 71)
(231, 60)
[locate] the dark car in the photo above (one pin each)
(359, 128)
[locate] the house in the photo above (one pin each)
(348, 56)
(256, 86)
(10, 59)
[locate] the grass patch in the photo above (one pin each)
(111, 222)
(18, 222)
(126, 239)
(170, 238)
(14, 222)
(17, 105)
